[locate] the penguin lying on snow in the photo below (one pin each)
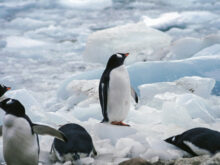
(197, 141)
(20, 140)
(115, 90)
(79, 143)
(3, 89)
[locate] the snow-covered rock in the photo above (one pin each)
(137, 39)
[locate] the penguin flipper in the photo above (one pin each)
(134, 95)
(0, 130)
(103, 96)
(47, 130)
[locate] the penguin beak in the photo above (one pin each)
(126, 54)
(8, 88)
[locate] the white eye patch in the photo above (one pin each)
(9, 101)
(119, 55)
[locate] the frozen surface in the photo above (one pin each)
(137, 39)
(46, 50)
(188, 47)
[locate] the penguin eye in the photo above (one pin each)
(119, 55)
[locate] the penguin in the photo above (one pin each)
(115, 90)
(3, 90)
(79, 143)
(20, 135)
(197, 141)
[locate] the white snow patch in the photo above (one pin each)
(15, 42)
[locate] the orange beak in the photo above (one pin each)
(8, 88)
(126, 54)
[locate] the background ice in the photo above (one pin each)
(45, 47)
(137, 39)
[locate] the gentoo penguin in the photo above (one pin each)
(115, 90)
(79, 143)
(20, 140)
(3, 89)
(197, 141)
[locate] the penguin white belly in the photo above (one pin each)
(118, 104)
(19, 144)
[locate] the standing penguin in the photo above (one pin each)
(115, 90)
(79, 143)
(20, 140)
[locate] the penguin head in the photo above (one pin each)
(116, 60)
(12, 106)
(3, 89)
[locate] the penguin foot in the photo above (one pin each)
(119, 123)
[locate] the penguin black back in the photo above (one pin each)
(202, 138)
(78, 140)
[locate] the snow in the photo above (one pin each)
(53, 53)
(86, 4)
(180, 20)
(137, 39)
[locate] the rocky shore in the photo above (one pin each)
(198, 160)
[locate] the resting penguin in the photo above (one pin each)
(3, 89)
(197, 141)
(115, 90)
(20, 140)
(79, 143)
